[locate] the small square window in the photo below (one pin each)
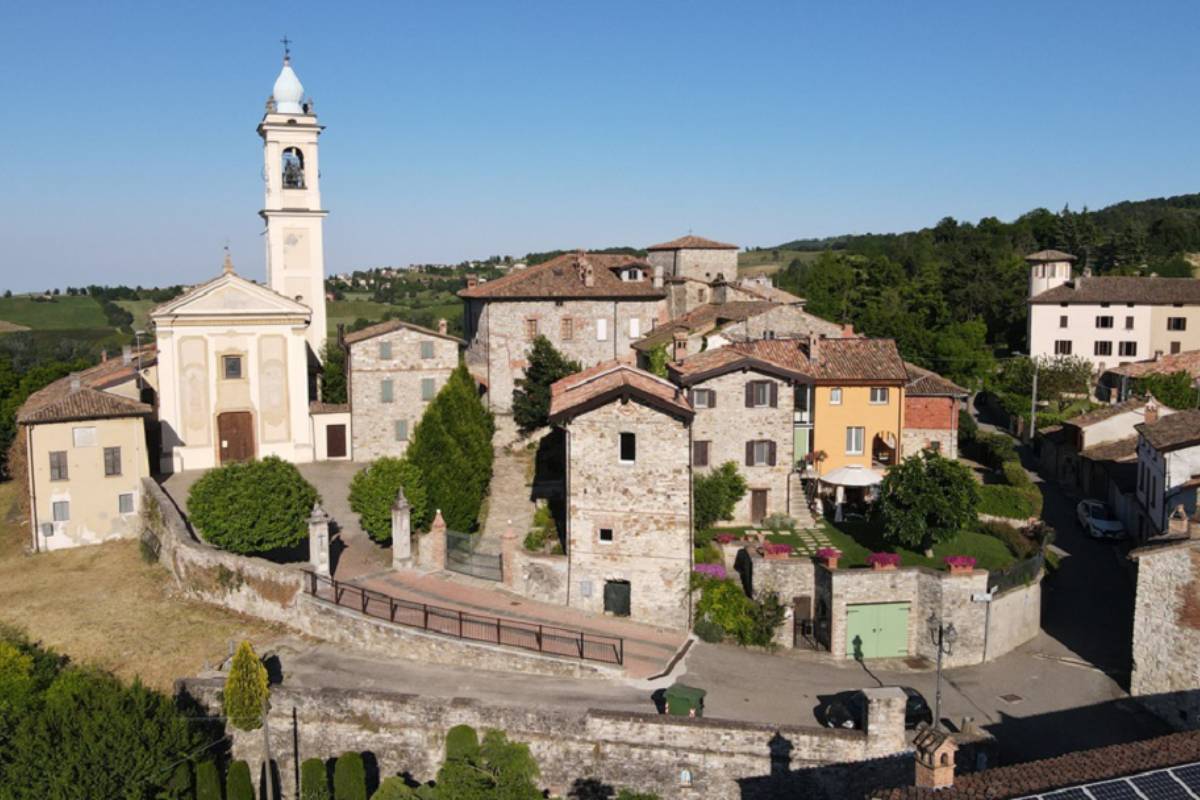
(606, 535)
(1177, 323)
(835, 397)
(1062, 321)
(231, 367)
(1129, 323)
(385, 351)
(628, 448)
(112, 461)
(401, 430)
(1104, 322)
(125, 503)
(61, 510)
(1128, 349)
(427, 349)
(1176, 347)
(428, 389)
(704, 398)
(1102, 349)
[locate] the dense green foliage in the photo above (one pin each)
(1063, 385)
(349, 777)
(208, 781)
(927, 499)
(724, 611)
(333, 374)
(494, 769)
(314, 780)
(246, 689)
(253, 506)
(238, 784)
(1176, 390)
(16, 387)
(531, 395)
(373, 491)
(1017, 496)
(68, 732)
(452, 448)
(716, 494)
(657, 361)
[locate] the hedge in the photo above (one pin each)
(349, 777)
(238, 785)
(314, 780)
(996, 500)
(373, 492)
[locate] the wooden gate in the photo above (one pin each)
(235, 429)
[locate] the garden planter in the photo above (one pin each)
(960, 565)
(883, 562)
(771, 556)
(777, 552)
(829, 557)
(883, 567)
(963, 570)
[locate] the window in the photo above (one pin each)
(125, 503)
(1129, 323)
(606, 535)
(427, 349)
(760, 453)
(83, 437)
(635, 328)
(386, 394)
(628, 448)
(61, 509)
(879, 395)
(401, 430)
(1062, 321)
(428, 389)
(1102, 349)
(567, 329)
(385, 351)
(1177, 323)
(1062, 347)
(1175, 347)
(1104, 322)
(1128, 348)
(760, 394)
(700, 451)
(531, 329)
(935, 446)
(835, 397)
(602, 330)
(112, 461)
(58, 465)
(854, 441)
(231, 367)
(704, 398)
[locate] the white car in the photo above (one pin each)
(1098, 521)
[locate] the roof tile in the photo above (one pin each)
(562, 277)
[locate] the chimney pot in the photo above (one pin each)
(658, 276)
(679, 346)
(442, 326)
(1151, 412)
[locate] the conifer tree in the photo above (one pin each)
(208, 781)
(246, 689)
(531, 397)
(349, 777)
(238, 785)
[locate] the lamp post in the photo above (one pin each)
(943, 638)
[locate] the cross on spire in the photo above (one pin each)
(287, 50)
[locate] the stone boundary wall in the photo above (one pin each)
(1015, 618)
(648, 752)
(540, 577)
(276, 593)
(1166, 632)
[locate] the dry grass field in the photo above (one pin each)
(104, 605)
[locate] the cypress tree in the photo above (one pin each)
(238, 785)
(246, 690)
(349, 777)
(314, 780)
(208, 781)
(531, 397)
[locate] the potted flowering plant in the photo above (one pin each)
(830, 556)
(960, 565)
(723, 538)
(881, 562)
(777, 551)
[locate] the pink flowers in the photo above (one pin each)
(716, 571)
(884, 559)
(960, 563)
(723, 538)
(774, 549)
(829, 552)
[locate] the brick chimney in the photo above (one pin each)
(814, 347)
(1151, 413)
(587, 275)
(679, 346)
(442, 326)
(658, 276)
(848, 331)
(934, 758)
(472, 280)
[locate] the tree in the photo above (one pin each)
(252, 506)
(238, 785)
(1177, 390)
(349, 777)
(531, 397)
(394, 789)
(716, 494)
(657, 361)
(494, 769)
(246, 689)
(179, 786)
(333, 378)
(373, 492)
(314, 780)
(926, 499)
(208, 781)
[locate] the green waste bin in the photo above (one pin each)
(685, 701)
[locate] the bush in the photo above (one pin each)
(716, 494)
(779, 523)
(238, 785)
(1020, 544)
(766, 615)
(246, 689)
(925, 500)
(544, 530)
(314, 780)
(349, 777)
(394, 789)
(531, 394)
(1015, 475)
(179, 787)
(707, 553)
(968, 429)
(1006, 501)
(253, 506)
(373, 492)
(208, 781)
(995, 449)
(708, 631)
(724, 611)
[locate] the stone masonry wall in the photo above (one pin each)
(540, 577)
(1166, 633)
(505, 344)
(647, 752)
(915, 440)
(729, 425)
(1016, 617)
(373, 428)
(927, 420)
(782, 322)
(646, 504)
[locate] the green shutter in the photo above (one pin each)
(401, 430)
(385, 390)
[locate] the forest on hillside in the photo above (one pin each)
(953, 295)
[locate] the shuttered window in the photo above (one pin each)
(385, 351)
(704, 398)
(760, 394)
(427, 349)
(700, 451)
(760, 453)
(428, 389)
(386, 391)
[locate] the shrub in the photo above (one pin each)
(373, 491)
(707, 554)
(778, 523)
(1007, 501)
(531, 394)
(716, 494)
(349, 777)
(462, 742)
(238, 785)
(535, 540)
(208, 781)
(394, 789)
(253, 506)
(629, 794)
(766, 615)
(995, 449)
(1020, 544)
(708, 631)
(927, 499)
(147, 551)
(968, 428)
(179, 787)
(314, 780)
(1015, 475)
(544, 530)
(246, 690)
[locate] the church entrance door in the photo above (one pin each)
(236, 431)
(335, 441)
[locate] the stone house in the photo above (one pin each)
(690, 265)
(1168, 451)
(931, 405)
(1116, 383)
(628, 493)
(590, 306)
(393, 370)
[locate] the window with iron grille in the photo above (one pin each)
(112, 461)
(58, 465)
(531, 329)
(567, 329)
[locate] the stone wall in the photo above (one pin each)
(1166, 632)
(648, 752)
(539, 577)
(373, 430)
(646, 505)
(1015, 618)
(781, 322)
(701, 265)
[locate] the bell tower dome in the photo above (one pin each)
(292, 208)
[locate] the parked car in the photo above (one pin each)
(848, 709)
(1098, 522)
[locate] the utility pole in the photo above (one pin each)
(270, 782)
(1033, 403)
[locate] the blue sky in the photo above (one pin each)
(459, 130)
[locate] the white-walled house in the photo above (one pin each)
(1168, 453)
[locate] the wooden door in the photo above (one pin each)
(758, 505)
(236, 432)
(877, 630)
(335, 441)
(616, 598)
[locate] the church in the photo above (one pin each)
(239, 362)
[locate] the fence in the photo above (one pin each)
(461, 556)
(1019, 574)
(465, 625)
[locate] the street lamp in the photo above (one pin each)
(943, 638)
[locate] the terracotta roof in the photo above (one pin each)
(926, 383)
(1073, 769)
(1187, 361)
(1181, 429)
(1050, 255)
(690, 242)
(703, 318)
(562, 277)
(1120, 450)
(387, 326)
(58, 402)
(1105, 412)
(1123, 289)
(849, 360)
(613, 380)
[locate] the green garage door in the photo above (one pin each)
(877, 630)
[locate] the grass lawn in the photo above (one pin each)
(858, 539)
(768, 262)
(62, 313)
(103, 605)
(346, 311)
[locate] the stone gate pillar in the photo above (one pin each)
(435, 541)
(318, 540)
(401, 532)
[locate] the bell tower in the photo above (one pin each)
(292, 209)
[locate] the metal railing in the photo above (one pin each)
(465, 625)
(1020, 573)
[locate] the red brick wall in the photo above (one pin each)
(925, 413)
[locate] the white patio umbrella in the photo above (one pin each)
(853, 475)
